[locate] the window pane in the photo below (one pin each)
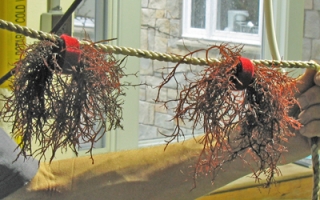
(198, 14)
(238, 16)
(84, 20)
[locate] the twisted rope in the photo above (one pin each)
(27, 31)
(315, 167)
(150, 54)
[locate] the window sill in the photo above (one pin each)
(203, 43)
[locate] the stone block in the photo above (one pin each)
(142, 93)
(172, 43)
(160, 66)
(312, 24)
(144, 3)
(180, 80)
(160, 14)
(163, 25)
(175, 28)
(174, 9)
(148, 17)
(172, 105)
(315, 55)
(142, 89)
(146, 66)
(158, 4)
(146, 115)
(160, 44)
(144, 38)
(316, 4)
(152, 93)
(153, 81)
(308, 4)
(147, 132)
(306, 51)
(187, 124)
(163, 121)
(172, 93)
(159, 107)
(164, 133)
(151, 39)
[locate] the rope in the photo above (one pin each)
(150, 54)
(27, 31)
(315, 166)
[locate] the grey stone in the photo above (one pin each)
(142, 94)
(151, 39)
(142, 89)
(144, 38)
(308, 4)
(160, 14)
(171, 105)
(163, 133)
(144, 3)
(146, 66)
(152, 93)
(160, 44)
(159, 107)
(180, 80)
(172, 43)
(153, 81)
(174, 9)
(315, 50)
(306, 51)
(157, 4)
(312, 24)
(163, 25)
(175, 28)
(316, 4)
(172, 93)
(163, 121)
(160, 67)
(148, 17)
(147, 132)
(146, 110)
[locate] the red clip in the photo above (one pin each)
(245, 72)
(72, 52)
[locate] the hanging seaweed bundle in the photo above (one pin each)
(59, 103)
(242, 116)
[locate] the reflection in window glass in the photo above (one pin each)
(238, 16)
(84, 27)
(198, 14)
(84, 20)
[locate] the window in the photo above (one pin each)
(89, 23)
(238, 21)
(90, 20)
(103, 20)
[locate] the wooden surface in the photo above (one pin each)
(294, 183)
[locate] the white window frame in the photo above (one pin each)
(211, 33)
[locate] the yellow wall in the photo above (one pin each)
(34, 10)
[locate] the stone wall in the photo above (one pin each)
(160, 32)
(311, 40)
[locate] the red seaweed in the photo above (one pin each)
(248, 124)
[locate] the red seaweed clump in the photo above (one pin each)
(56, 110)
(251, 123)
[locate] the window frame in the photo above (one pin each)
(211, 32)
